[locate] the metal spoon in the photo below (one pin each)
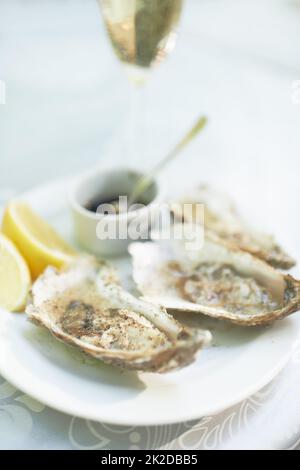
(145, 181)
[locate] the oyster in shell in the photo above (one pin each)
(221, 217)
(218, 280)
(85, 306)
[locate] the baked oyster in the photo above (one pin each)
(85, 306)
(217, 280)
(222, 218)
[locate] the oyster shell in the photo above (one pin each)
(85, 306)
(221, 217)
(218, 280)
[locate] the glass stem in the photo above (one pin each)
(137, 134)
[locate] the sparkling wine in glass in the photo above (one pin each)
(142, 32)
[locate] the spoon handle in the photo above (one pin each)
(145, 181)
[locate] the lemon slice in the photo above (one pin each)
(37, 241)
(14, 277)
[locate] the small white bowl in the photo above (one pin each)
(100, 234)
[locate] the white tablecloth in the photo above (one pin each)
(67, 100)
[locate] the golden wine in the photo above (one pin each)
(142, 32)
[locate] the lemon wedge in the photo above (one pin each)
(37, 241)
(14, 277)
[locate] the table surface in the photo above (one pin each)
(67, 106)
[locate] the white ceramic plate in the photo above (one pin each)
(239, 363)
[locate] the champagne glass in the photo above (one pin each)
(142, 33)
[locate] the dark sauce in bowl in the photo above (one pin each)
(94, 205)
